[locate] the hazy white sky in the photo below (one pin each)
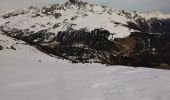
(142, 5)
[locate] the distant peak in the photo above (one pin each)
(77, 2)
(73, 1)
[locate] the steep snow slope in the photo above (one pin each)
(12, 47)
(27, 74)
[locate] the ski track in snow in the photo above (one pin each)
(24, 77)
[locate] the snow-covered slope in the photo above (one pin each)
(79, 15)
(13, 47)
(153, 14)
(28, 74)
(69, 16)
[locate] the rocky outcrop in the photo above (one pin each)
(13, 48)
(73, 1)
(1, 48)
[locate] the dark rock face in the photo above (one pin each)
(57, 15)
(10, 15)
(78, 2)
(73, 1)
(13, 48)
(1, 48)
(159, 26)
(56, 25)
(153, 25)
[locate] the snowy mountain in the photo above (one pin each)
(76, 16)
(83, 32)
(28, 74)
(37, 46)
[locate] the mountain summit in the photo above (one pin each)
(73, 1)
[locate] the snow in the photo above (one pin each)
(97, 17)
(153, 14)
(28, 74)
(89, 16)
(2, 21)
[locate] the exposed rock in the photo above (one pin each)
(73, 1)
(11, 14)
(1, 48)
(50, 10)
(33, 8)
(73, 18)
(57, 15)
(85, 15)
(56, 25)
(36, 15)
(152, 25)
(13, 48)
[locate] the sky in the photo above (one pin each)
(129, 5)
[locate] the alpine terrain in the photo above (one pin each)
(83, 51)
(83, 32)
(28, 74)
